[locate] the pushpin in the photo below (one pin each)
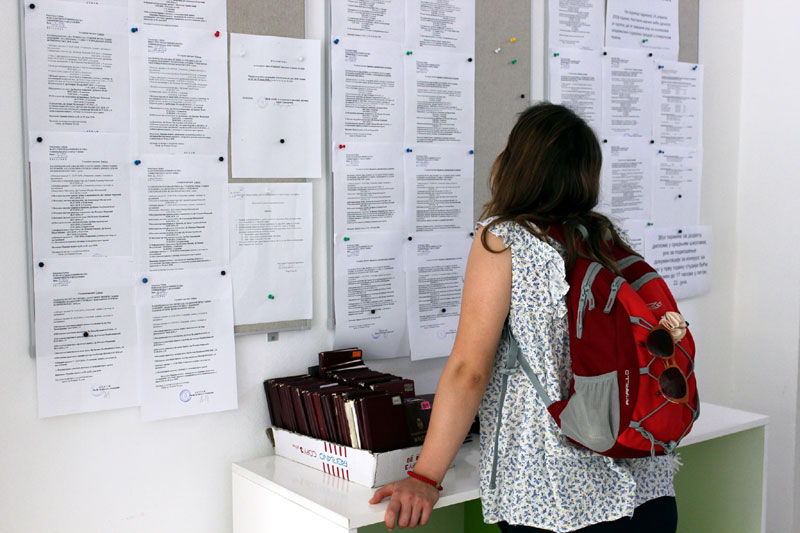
(282, 141)
(649, 223)
(513, 61)
(336, 41)
(221, 158)
(661, 151)
(694, 67)
(301, 59)
(680, 196)
(216, 33)
(134, 30)
(144, 280)
(85, 333)
(644, 40)
(471, 233)
(650, 54)
(556, 54)
(270, 297)
(39, 139)
(522, 96)
(372, 311)
(444, 310)
(605, 140)
(409, 52)
(41, 264)
(409, 150)
(137, 162)
(496, 50)
(605, 53)
(342, 146)
(513, 39)
(410, 238)
(471, 152)
(32, 6)
(661, 66)
(469, 60)
(346, 239)
(652, 141)
(680, 231)
(222, 273)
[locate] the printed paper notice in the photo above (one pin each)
(86, 343)
(182, 218)
(439, 182)
(627, 178)
(576, 81)
(434, 282)
(271, 252)
(77, 68)
(188, 363)
(195, 14)
(445, 25)
(370, 294)
(440, 99)
(276, 113)
(644, 24)
(81, 195)
(179, 91)
(367, 92)
(381, 20)
(368, 187)
(676, 194)
(576, 23)
(682, 256)
(628, 94)
(678, 119)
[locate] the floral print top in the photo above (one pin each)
(533, 476)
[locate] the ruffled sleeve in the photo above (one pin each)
(558, 285)
(504, 230)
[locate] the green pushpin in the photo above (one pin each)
(649, 223)
(346, 239)
(409, 53)
(556, 54)
(270, 297)
(644, 40)
(513, 61)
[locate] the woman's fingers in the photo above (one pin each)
(381, 493)
(416, 511)
(406, 503)
(427, 508)
(391, 513)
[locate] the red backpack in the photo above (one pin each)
(633, 391)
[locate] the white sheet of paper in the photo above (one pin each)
(439, 183)
(644, 24)
(678, 109)
(179, 90)
(682, 256)
(81, 195)
(370, 294)
(440, 99)
(367, 92)
(445, 25)
(635, 230)
(276, 107)
(576, 81)
(209, 15)
(271, 227)
(77, 68)
(86, 342)
(181, 217)
(628, 178)
(676, 192)
(576, 23)
(628, 94)
(186, 334)
(368, 187)
(435, 278)
(382, 20)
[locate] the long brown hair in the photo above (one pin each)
(549, 174)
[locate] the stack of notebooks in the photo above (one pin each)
(347, 403)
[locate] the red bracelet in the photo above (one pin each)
(424, 479)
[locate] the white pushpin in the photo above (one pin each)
(496, 50)
(242, 52)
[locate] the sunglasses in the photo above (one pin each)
(672, 381)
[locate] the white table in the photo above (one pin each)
(274, 494)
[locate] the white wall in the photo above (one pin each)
(109, 471)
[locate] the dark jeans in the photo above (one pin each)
(656, 516)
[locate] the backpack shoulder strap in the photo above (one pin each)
(513, 356)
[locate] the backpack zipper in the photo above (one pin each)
(587, 298)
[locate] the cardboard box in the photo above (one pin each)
(360, 466)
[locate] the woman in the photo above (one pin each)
(532, 479)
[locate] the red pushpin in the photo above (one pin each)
(342, 146)
(216, 34)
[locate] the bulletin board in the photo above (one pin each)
(280, 18)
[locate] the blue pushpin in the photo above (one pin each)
(409, 150)
(137, 162)
(134, 30)
(661, 151)
(336, 41)
(661, 66)
(694, 67)
(144, 280)
(471, 152)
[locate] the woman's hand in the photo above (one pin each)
(411, 504)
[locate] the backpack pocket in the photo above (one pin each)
(591, 417)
